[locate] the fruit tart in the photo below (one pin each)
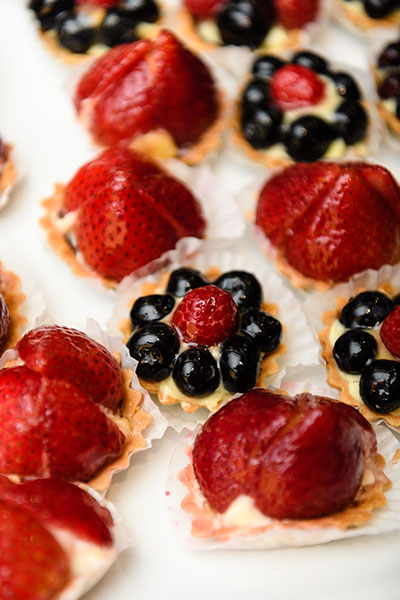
(366, 15)
(301, 109)
(360, 345)
(387, 77)
(56, 539)
(8, 173)
(67, 409)
(268, 464)
(117, 214)
(311, 214)
(74, 30)
(155, 96)
(268, 24)
(201, 338)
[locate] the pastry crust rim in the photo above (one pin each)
(10, 288)
(363, 22)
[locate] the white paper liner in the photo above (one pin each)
(339, 15)
(301, 346)
(383, 520)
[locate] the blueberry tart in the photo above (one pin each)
(387, 78)
(365, 15)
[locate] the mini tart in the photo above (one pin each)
(354, 12)
(269, 366)
(8, 175)
(386, 107)
(339, 380)
(10, 288)
(207, 523)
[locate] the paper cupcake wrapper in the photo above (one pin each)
(383, 520)
(300, 345)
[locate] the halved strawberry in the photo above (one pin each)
(204, 9)
(295, 14)
(390, 332)
(294, 86)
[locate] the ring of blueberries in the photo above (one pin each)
(77, 31)
(378, 9)
(389, 63)
(355, 350)
(195, 371)
(308, 137)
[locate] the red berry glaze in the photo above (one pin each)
(206, 316)
(295, 14)
(390, 332)
(294, 86)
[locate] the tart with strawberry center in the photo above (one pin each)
(361, 348)
(387, 78)
(269, 24)
(311, 214)
(67, 409)
(55, 539)
(268, 462)
(300, 110)
(118, 213)
(156, 96)
(77, 29)
(201, 339)
(370, 14)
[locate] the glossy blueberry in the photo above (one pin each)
(117, 29)
(196, 372)
(308, 138)
(239, 363)
(263, 329)
(255, 94)
(378, 9)
(76, 32)
(49, 11)
(139, 10)
(265, 66)
(390, 86)
(346, 86)
(183, 280)
(245, 22)
(396, 300)
(261, 126)
(354, 350)
(380, 386)
(244, 288)
(148, 309)
(311, 61)
(366, 310)
(155, 346)
(351, 122)
(390, 57)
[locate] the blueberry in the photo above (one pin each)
(311, 61)
(354, 350)
(346, 86)
(366, 310)
(243, 287)
(139, 10)
(380, 386)
(256, 93)
(117, 29)
(390, 86)
(396, 300)
(239, 363)
(49, 11)
(263, 329)
(261, 126)
(265, 66)
(245, 22)
(76, 32)
(148, 309)
(196, 372)
(390, 56)
(308, 138)
(378, 9)
(155, 346)
(351, 122)
(184, 280)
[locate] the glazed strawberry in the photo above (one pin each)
(204, 9)
(70, 355)
(390, 332)
(130, 212)
(206, 316)
(294, 86)
(297, 458)
(321, 236)
(58, 503)
(156, 85)
(295, 14)
(32, 563)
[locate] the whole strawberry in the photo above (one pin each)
(390, 332)
(312, 214)
(295, 14)
(295, 86)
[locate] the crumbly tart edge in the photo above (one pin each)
(390, 119)
(9, 172)
(364, 22)
(58, 242)
(10, 288)
(334, 378)
(269, 366)
(206, 522)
